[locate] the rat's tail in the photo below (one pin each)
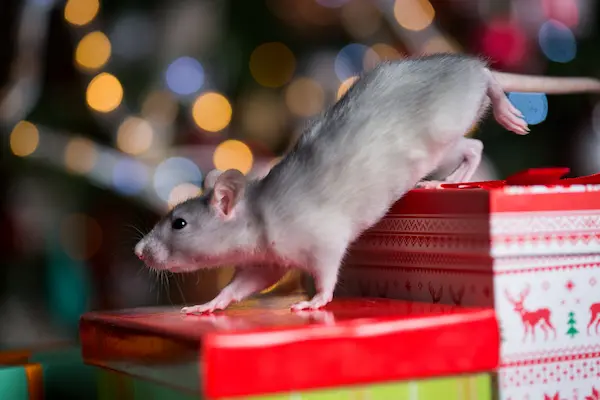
(545, 84)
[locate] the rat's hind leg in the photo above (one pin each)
(325, 274)
(505, 113)
(470, 150)
(246, 281)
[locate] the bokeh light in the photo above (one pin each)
(504, 42)
(175, 171)
(563, 11)
(183, 192)
(185, 76)
(81, 12)
(440, 44)
(160, 107)
(233, 154)
(379, 52)
(361, 18)
(212, 112)
(130, 176)
(557, 42)
(81, 236)
(24, 139)
(533, 106)
(104, 93)
(350, 61)
(93, 50)
(272, 64)
(134, 135)
(414, 15)
(347, 84)
(80, 155)
(305, 97)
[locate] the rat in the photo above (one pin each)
(395, 125)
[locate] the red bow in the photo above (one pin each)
(533, 176)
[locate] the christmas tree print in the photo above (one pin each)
(572, 330)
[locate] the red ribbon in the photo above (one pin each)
(532, 176)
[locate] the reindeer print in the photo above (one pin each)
(595, 314)
(531, 319)
(436, 296)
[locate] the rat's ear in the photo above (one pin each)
(211, 178)
(228, 189)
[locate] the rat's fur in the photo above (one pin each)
(391, 129)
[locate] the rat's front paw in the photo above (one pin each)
(313, 304)
(206, 308)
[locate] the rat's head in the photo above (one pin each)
(205, 231)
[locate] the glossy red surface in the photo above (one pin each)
(477, 198)
(267, 348)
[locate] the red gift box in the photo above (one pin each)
(267, 348)
(529, 246)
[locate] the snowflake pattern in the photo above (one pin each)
(593, 281)
(570, 285)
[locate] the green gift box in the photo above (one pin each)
(116, 386)
(49, 373)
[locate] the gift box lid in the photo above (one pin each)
(532, 213)
(260, 346)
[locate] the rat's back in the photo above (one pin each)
(375, 142)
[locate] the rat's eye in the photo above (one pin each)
(179, 223)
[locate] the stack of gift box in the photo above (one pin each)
(528, 246)
(475, 291)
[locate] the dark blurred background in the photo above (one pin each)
(112, 111)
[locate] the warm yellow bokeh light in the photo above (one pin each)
(439, 44)
(134, 136)
(272, 64)
(81, 12)
(233, 154)
(305, 97)
(378, 53)
(93, 50)
(183, 192)
(24, 139)
(80, 155)
(212, 112)
(81, 236)
(414, 15)
(104, 93)
(345, 86)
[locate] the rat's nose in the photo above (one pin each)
(139, 251)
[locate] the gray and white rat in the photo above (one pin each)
(392, 128)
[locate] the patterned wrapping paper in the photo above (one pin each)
(532, 252)
(48, 373)
(115, 386)
(260, 347)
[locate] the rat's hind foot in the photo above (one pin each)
(429, 184)
(320, 300)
